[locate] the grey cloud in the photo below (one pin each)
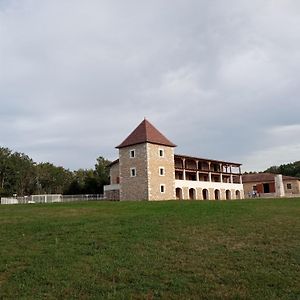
(216, 77)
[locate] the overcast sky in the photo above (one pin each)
(219, 78)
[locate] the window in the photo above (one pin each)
(289, 186)
(132, 153)
(132, 172)
(161, 171)
(162, 188)
(161, 152)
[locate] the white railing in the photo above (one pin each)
(51, 198)
(84, 197)
(9, 201)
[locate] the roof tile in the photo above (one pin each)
(146, 132)
(258, 177)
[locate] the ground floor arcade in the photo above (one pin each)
(209, 191)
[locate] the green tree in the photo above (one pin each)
(102, 172)
(87, 182)
(290, 169)
(273, 170)
(5, 169)
(52, 179)
(23, 174)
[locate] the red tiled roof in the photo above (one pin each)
(259, 177)
(146, 132)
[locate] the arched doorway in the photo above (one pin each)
(192, 194)
(178, 193)
(228, 195)
(237, 194)
(217, 195)
(205, 194)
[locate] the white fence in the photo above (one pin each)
(9, 201)
(89, 197)
(50, 198)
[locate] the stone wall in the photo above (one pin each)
(295, 186)
(166, 163)
(112, 195)
(248, 188)
(114, 174)
(133, 187)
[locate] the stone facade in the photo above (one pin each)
(154, 168)
(133, 186)
(113, 195)
(292, 187)
(114, 173)
(161, 172)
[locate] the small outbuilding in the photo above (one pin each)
(270, 185)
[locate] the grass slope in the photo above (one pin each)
(139, 250)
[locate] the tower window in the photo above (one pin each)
(162, 188)
(132, 172)
(289, 186)
(161, 171)
(132, 153)
(161, 152)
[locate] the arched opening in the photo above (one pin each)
(237, 194)
(178, 163)
(228, 195)
(217, 195)
(178, 193)
(192, 194)
(191, 164)
(203, 166)
(205, 194)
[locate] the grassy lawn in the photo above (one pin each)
(246, 249)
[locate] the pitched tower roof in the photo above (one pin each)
(146, 133)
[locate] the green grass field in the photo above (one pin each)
(246, 249)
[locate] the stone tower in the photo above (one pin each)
(146, 164)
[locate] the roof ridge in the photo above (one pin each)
(146, 132)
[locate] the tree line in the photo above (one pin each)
(290, 169)
(20, 175)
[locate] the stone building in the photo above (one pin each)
(270, 185)
(148, 169)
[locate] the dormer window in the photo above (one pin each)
(132, 153)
